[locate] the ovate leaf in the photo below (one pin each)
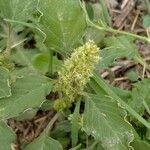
(44, 142)
(7, 137)
(27, 92)
(5, 89)
(105, 121)
(63, 22)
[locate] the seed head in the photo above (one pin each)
(75, 74)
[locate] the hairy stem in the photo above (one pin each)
(108, 29)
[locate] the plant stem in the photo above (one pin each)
(50, 65)
(50, 124)
(108, 29)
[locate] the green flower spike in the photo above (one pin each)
(75, 74)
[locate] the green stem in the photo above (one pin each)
(50, 65)
(108, 29)
(50, 124)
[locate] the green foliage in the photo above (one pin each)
(141, 96)
(41, 62)
(146, 21)
(133, 76)
(44, 142)
(116, 47)
(27, 92)
(7, 137)
(75, 124)
(139, 145)
(17, 10)
(40, 72)
(5, 90)
(104, 120)
(63, 26)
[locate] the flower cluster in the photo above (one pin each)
(75, 74)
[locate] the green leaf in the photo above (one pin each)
(76, 148)
(7, 137)
(99, 147)
(75, 127)
(140, 145)
(41, 62)
(133, 76)
(25, 56)
(90, 10)
(101, 12)
(44, 142)
(146, 21)
(102, 84)
(98, 13)
(124, 94)
(63, 22)
(141, 96)
(28, 92)
(116, 47)
(17, 9)
(5, 89)
(105, 121)
(62, 129)
(95, 35)
(27, 115)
